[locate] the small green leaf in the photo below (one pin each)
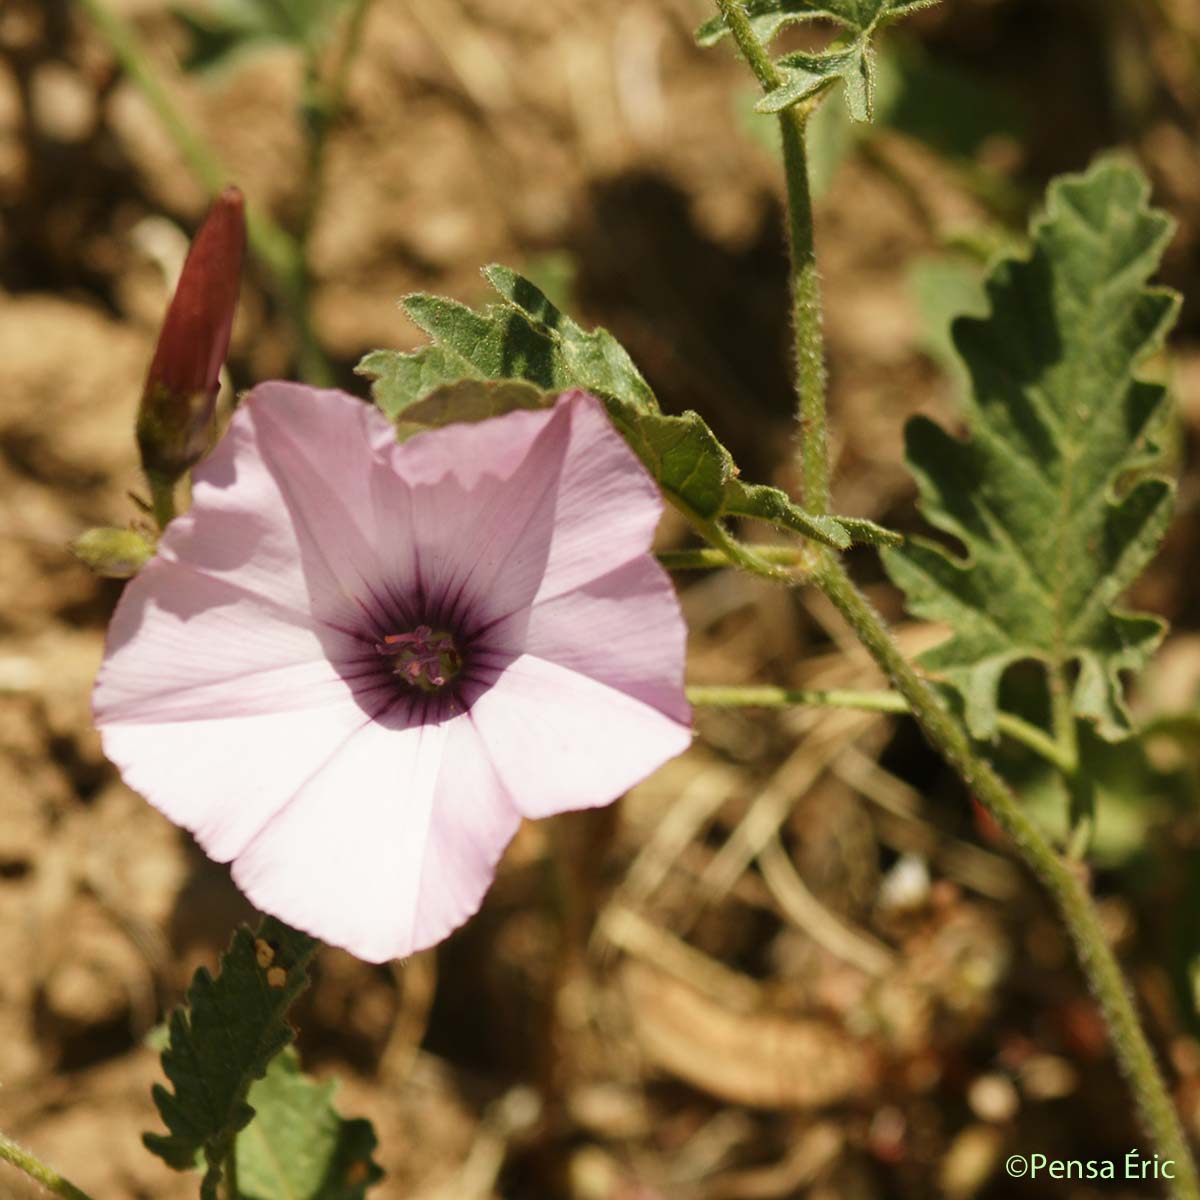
(768, 17)
(805, 73)
(298, 1147)
(528, 341)
(223, 30)
(1050, 496)
(222, 1041)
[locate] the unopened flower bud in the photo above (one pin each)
(175, 419)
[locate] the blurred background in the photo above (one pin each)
(794, 962)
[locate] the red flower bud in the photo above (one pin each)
(176, 415)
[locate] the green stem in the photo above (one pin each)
(709, 557)
(751, 558)
(130, 52)
(761, 696)
(805, 283)
(231, 1174)
(1063, 717)
(37, 1170)
(323, 104)
(162, 499)
(350, 48)
(277, 250)
(1063, 882)
(1081, 815)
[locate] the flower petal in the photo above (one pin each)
(484, 499)
(387, 849)
(561, 741)
(607, 507)
(635, 637)
(532, 504)
(216, 704)
(284, 506)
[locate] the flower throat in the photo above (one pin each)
(426, 658)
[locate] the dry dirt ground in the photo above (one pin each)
(667, 1001)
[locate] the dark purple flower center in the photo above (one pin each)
(425, 658)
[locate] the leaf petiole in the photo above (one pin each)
(881, 701)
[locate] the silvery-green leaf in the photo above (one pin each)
(1049, 493)
(806, 74)
(527, 341)
(222, 1041)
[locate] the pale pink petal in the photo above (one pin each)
(388, 848)
(472, 821)
(484, 510)
(531, 504)
(216, 704)
(607, 506)
(560, 741)
(623, 629)
(284, 506)
(224, 778)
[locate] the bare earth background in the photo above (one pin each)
(648, 1015)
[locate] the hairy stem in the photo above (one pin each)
(709, 558)
(805, 283)
(277, 250)
(1064, 884)
(37, 1170)
(1080, 789)
(751, 558)
(756, 696)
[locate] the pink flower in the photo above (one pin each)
(354, 665)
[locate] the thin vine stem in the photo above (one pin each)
(273, 246)
(163, 499)
(804, 281)
(751, 558)
(707, 558)
(37, 1170)
(880, 701)
(826, 571)
(1064, 883)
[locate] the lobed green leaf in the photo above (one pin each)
(805, 74)
(1050, 496)
(222, 1041)
(526, 340)
(222, 30)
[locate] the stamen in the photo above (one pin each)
(426, 658)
